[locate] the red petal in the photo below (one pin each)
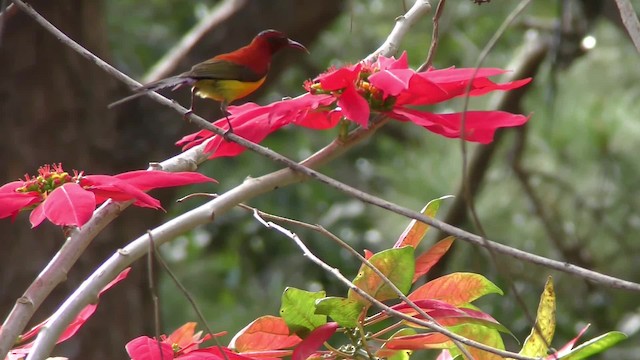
(385, 63)
(392, 82)
(313, 341)
(339, 79)
(422, 91)
(146, 348)
(11, 203)
(37, 216)
(354, 107)
(153, 179)
(480, 126)
(258, 122)
(69, 204)
(105, 186)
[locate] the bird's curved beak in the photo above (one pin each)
(296, 45)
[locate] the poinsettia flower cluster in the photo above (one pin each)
(70, 199)
(386, 86)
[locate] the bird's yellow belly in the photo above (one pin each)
(225, 90)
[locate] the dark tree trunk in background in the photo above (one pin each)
(53, 109)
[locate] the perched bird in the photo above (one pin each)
(226, 77)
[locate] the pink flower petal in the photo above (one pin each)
(12, 202)
(37, 216)
(392, 82)
(105, 187)
(153, 179)
(69, 204)
(354, 107)
(480, 126)
(339, 79)
(385, 63)
(314, 340)
(146, 348)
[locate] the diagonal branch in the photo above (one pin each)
(430, 324)
(52, 275)
(251, 188)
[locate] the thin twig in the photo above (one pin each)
(318, 228)
(467, 193)
(429, 324)
(435, 37)
(187, 161)
(154, 296)
(187, 296)
(203, 214)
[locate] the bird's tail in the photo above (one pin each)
(175, 82)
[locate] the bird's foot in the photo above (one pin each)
(186, 117)
(228, 131)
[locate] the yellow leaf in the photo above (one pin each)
(538, 341)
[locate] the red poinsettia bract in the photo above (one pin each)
(181, 344)
(70, 200)
(25, 342)
(387, 86)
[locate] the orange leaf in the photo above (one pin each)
(425, 262)
(264, 333)
(456, 289)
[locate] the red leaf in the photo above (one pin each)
(339, 79)
(69, 204)
(153, 179)
(368, 254)
(568, 346)
(480, 126)
(11, 202)
(314, 340)
(392, 83)
(37, 216)
(354, 107)
(425, 262)
(264, 333)
(109, 187)
(146, 348)
(388, 63)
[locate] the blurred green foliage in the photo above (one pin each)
(580, 154)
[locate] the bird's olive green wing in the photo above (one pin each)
(216, 69)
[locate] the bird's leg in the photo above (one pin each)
(223, 108)
(193, 98)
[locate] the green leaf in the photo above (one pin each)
(481, 334)
(456, 289)
(415, 232)
(298, 310)
(346, 312)
(397, 265)
(595, 346)
(537, 343)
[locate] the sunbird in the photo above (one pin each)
(226, 77)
